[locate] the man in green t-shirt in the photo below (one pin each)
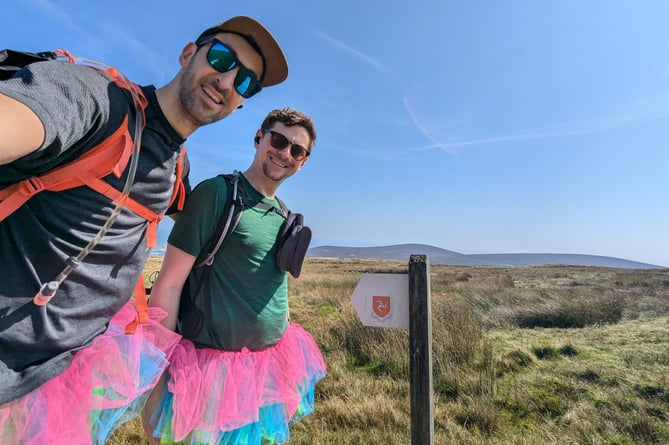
(246, 370)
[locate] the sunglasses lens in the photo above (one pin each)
(297, 152)
(246, 83)
(279, 141)
(221, 58)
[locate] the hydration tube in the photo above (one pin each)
(47, 290)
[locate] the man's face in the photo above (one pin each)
(278, 164)
(206, 95)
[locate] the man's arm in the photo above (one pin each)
(166, 291)
(21, 131)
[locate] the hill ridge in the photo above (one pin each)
(438, 255)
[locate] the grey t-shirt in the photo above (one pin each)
(79, 108)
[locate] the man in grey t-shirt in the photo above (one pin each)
(53, 112)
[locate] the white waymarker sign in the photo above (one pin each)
(382, 300)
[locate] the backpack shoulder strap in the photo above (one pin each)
(283, 211)
(232, 212)
(111, 156)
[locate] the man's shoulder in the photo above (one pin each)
(65, 73)
(216, 187)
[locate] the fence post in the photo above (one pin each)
(420, 351)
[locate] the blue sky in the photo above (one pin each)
(478, 127)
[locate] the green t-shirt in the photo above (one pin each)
(247, 292)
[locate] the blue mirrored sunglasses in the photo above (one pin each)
(223, 59)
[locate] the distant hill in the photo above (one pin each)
(437, 255)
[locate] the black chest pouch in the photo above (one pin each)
(293, 242)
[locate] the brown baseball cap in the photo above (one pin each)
(275, 64)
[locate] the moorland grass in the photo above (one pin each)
(528, 355)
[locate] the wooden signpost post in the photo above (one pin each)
(420, 351)
(400, 301)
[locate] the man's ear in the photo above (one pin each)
(257, 138)
(187, 53)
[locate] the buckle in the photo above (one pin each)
(31, 186)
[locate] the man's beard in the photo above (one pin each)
(188, 87)
(280, 177)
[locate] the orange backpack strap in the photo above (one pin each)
(142, 307)
(104, 188)
(110, 156)
(134, 89)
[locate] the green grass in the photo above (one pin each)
(533, 355)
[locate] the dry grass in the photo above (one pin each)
(535, 355)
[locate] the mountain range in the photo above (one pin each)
(441, 256)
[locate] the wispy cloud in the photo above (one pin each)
(97, 39)
(143, 55)
(390, 155)
(649, 108)
(352, 51)
(61, 17)
(52, 11)
(426, 132)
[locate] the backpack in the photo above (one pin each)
(292, 243)
(12, 61)
(293, 237)
(111, 156)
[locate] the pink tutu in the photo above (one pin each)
(106, 384)
(244, 397)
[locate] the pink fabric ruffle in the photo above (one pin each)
(217, 391)
(105, 385)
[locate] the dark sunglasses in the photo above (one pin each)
(279, 142)
(223, 59)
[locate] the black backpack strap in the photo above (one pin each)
(190, 318)
(232, 212)
(11, 61)
(283, 211)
